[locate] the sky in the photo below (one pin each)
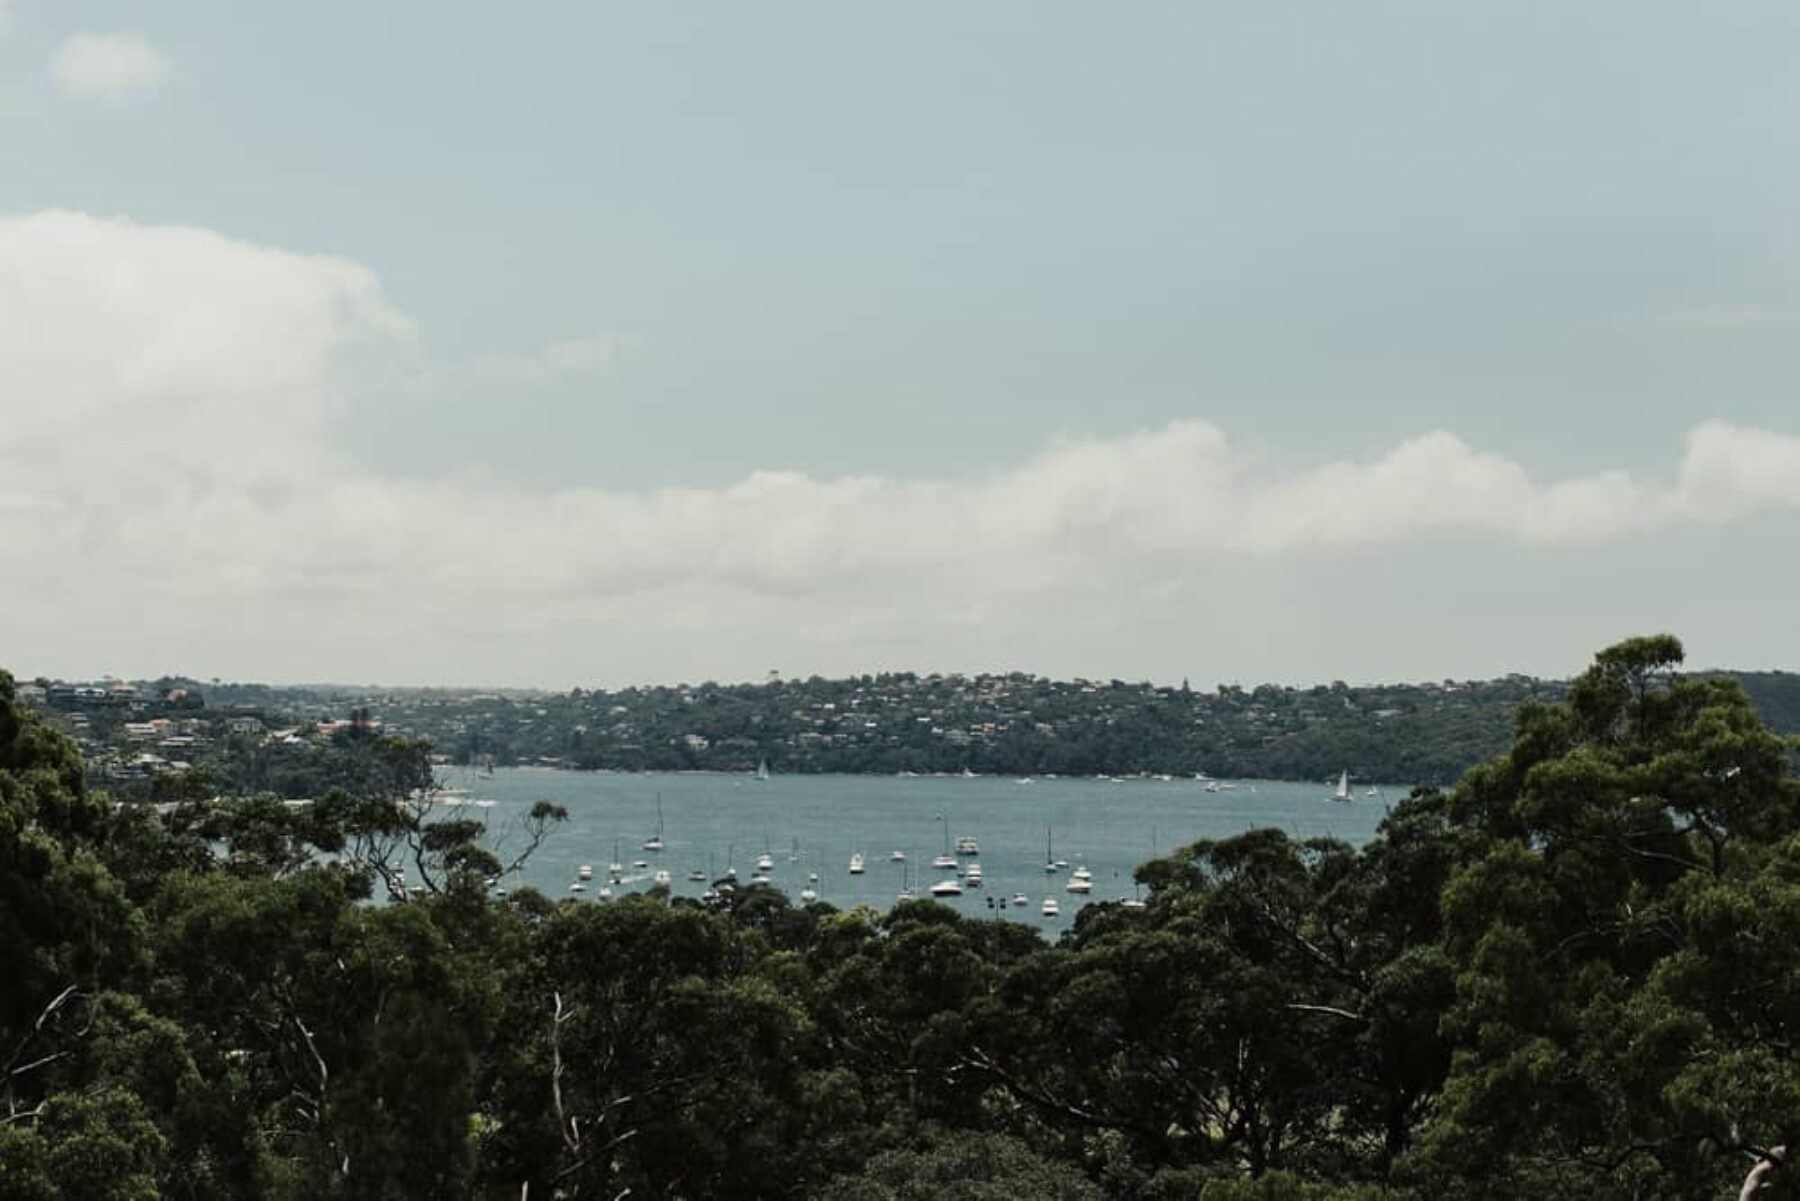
(591, 344)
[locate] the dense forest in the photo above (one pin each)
(1574, 973)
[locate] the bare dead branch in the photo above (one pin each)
(1759, 1175)
(1329, 1010)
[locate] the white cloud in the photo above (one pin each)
(108, 65)
(168, 430)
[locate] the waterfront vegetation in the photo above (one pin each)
(256, 738)
(1574, 973)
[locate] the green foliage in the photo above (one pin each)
(1572, 974)
(967, 1168)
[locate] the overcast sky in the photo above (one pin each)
(575, 343)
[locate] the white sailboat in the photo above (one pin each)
(655, 841)
(762, 770)
(1343, 795)
(945, 862)
(856, 863)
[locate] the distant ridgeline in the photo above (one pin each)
(989, 724)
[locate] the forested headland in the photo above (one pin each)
(252, 738)
(1575, 972)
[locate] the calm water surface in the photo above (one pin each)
(813, 823)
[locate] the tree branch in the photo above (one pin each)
(1759, 1175)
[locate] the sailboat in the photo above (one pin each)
(945, 862)
(762, 770)
(1343, 795)
(655, 841)
(1049, 852)
(856, 863)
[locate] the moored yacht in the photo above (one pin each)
(655, 841)
(1051, 908)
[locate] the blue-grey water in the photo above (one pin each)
(812, 824)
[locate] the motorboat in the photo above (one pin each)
(897, 857)
(661, 878)
(972, 877)
(1021, 899)
(585, 872)
(856, 863)
(1051, 908)
(947, 887)
(966, 845)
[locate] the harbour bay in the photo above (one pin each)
(809, 824)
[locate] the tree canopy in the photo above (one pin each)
(1573, 973)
